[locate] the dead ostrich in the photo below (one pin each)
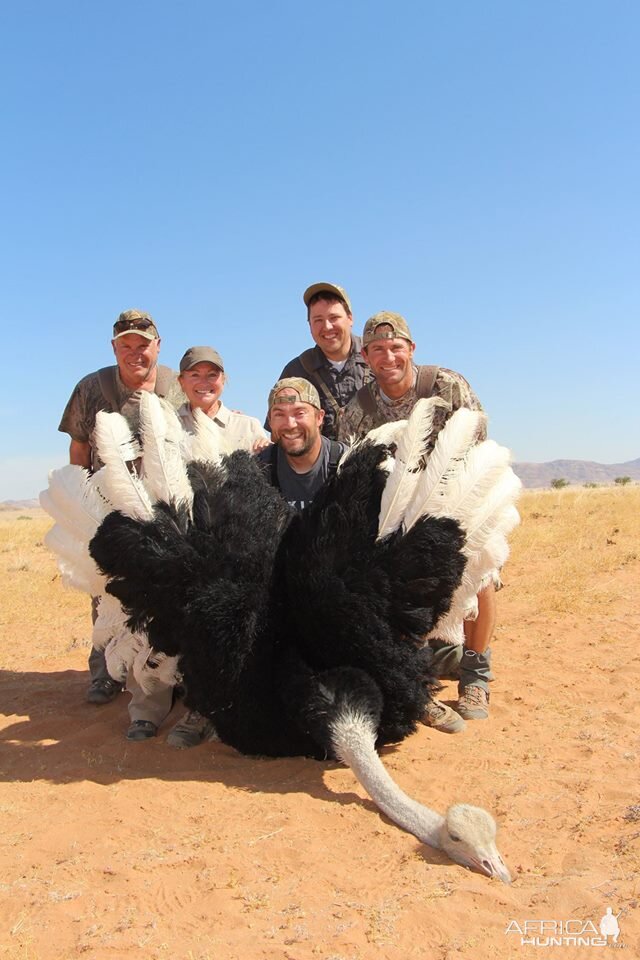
(296, 634)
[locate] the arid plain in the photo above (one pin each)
(114, 850)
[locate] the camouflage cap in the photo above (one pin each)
(294, 390)
(397, 324)
(331, 288)
(135, 321)
(201, 355)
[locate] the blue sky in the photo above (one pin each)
(471, 165)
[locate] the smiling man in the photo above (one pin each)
(388, 348)
(335, 365)
(136, 345)
(301, 459)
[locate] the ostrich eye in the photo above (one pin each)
(453, 837)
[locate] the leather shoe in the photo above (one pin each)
(141, 730)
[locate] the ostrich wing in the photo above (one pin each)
(164, 470)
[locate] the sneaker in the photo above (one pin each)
(141, 730)
(442, 718)
(473, 703)
(103, 690)
(190, 731)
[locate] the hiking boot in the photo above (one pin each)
(141, 730)
(103, 690)
(442, 718)
(190, 731)
(473, 703)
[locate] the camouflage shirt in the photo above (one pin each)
(87, 399)
(449, 386)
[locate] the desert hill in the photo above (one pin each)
(575, 471)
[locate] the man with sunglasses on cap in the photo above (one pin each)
(335, 366)
(388, 349)
(301, 459)
(136, 345)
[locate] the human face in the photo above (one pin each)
(330, 326)
(136, 357)
(391, 362)
(295, 426)
(203, 384)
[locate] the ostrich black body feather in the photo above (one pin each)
(280, 618)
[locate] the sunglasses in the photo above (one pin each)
(121, 325)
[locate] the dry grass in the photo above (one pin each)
(574, 547)
(58, 618)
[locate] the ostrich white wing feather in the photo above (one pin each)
(410, 464)
(77, 567)
(474, 478)
(205, 443)
(454, 441)
(386, 434)
(74, 501)
(164, 470)
(119, 482)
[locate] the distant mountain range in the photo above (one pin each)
(575, 471)
(19, 504)
(532, 475)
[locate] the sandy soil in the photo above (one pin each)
(113, 850)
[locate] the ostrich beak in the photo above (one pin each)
(492, 865)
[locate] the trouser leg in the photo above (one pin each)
(475, 668)
(154, 706)
(97, 663)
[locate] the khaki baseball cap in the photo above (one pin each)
(326, 288)
(397, 323)
(201, 355)
(294, 390)
(135, 321)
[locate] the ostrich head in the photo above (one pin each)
(468, 836)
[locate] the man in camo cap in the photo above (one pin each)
(388, 349)
(300, 460)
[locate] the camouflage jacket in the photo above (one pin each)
(449, 386)
(342, 384)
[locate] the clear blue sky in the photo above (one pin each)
(472, 165)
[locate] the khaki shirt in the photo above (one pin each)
(237, 430)
(449, 386)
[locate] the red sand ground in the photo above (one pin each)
(113, 850)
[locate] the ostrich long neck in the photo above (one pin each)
(353, 736)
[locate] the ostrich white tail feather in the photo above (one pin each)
(119, 450)
(454, 441)
(164, 470)
(410, 464)
(205, 443)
